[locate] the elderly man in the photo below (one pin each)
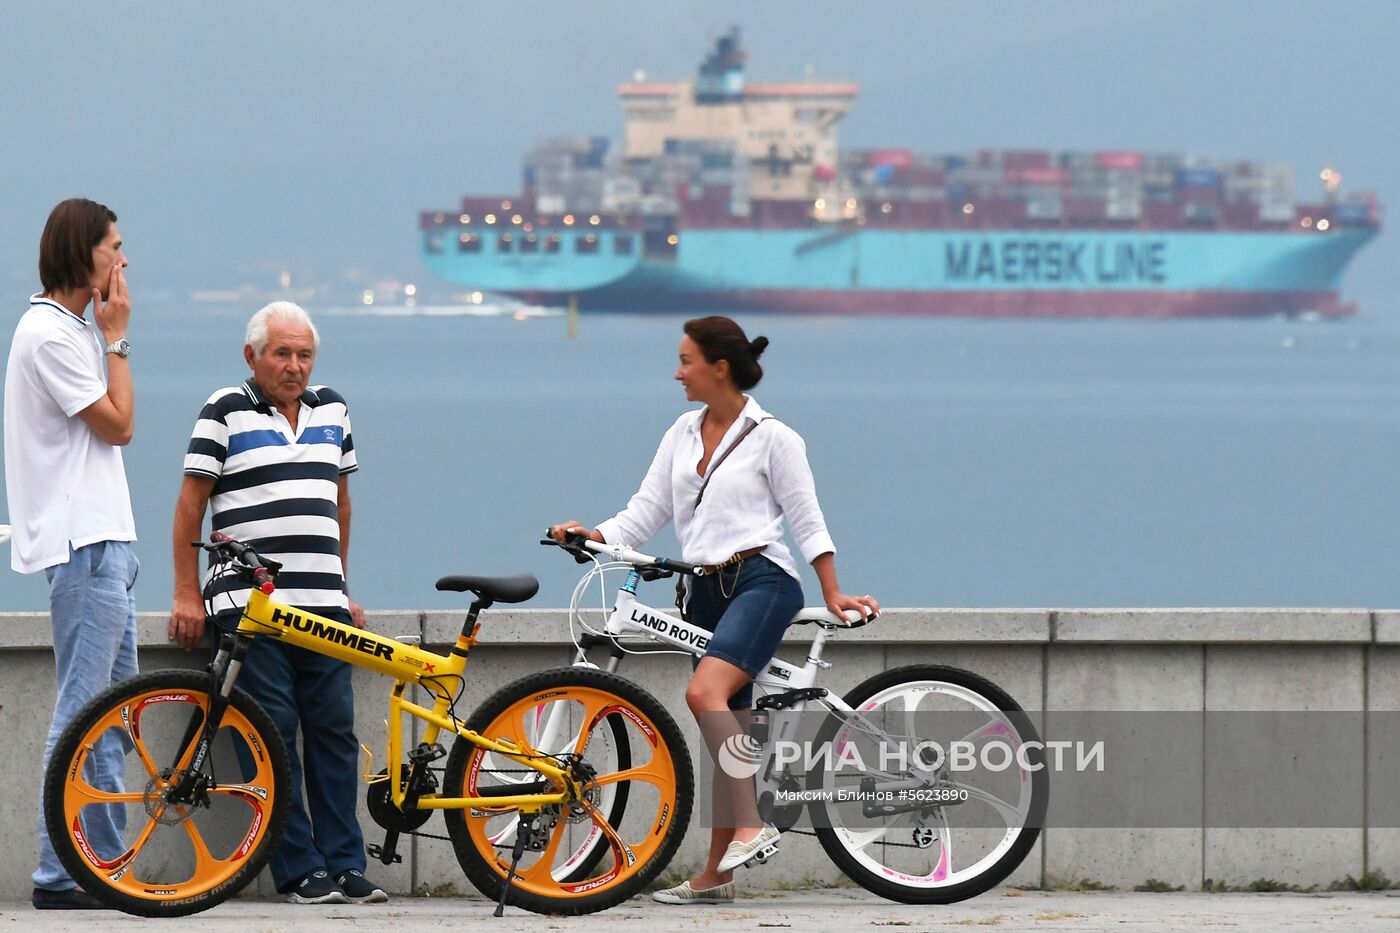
(273, 457)
(67, 416)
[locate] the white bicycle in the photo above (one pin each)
(924, 784)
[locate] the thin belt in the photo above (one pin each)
(737, 558)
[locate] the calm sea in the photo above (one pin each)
(959, 462)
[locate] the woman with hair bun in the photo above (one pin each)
(728, 474)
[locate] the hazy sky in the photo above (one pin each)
(237, 139)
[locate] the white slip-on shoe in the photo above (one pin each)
(758, 849)
(683, 893)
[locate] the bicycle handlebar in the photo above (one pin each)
(579, 545)
(262, 570)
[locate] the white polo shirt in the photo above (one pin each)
(65, 485)
(766, 480)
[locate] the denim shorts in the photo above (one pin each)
(748, 623)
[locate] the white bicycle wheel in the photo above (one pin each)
(904, 818)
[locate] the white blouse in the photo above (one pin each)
(765, 479)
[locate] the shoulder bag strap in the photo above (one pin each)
(715, 466)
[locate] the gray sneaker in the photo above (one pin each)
(317, 888)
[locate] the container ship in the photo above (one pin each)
(725, 195)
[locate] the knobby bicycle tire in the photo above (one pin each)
(222, 843)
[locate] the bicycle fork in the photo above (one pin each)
(192, 786)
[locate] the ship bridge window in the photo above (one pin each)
(586, 244)
(433, 244)
(468, 243)
(622, 244)
(503, 243)
(531, 244)
(551, 243)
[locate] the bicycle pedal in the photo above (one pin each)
(425, 753)
(376, 852)
(763, 855)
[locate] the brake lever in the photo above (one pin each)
(650, 574)
(580, 555)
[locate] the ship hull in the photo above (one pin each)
(988, 304)
(993, 273)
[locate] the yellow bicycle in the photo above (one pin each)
(167, 793)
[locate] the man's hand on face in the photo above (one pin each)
(113, 316)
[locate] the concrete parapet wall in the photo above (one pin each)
(1091, 659)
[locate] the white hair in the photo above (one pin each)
(284, 311)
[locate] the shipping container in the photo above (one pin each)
(1036, 176)
(924, 193)
(550, 204)
(975, 175)
(1199, 196)
(1200, 213)
(1122, 191)
(1084, 210)
(1119, 160)
(657, 205)
(994, 212)
(917, 175)
(1161, 163)
(1045, 209)
(1123, 209)
(1241, 215)
(781, 214)
(1197, 178)
(894, 158)
(1164, 214)
(1352, 214)
(1025, 161)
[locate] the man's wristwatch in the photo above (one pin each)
(121, 348)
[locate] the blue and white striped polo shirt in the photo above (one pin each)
(277, 492)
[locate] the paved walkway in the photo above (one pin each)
(836, 911)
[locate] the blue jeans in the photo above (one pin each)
(93, 614)
(746, 609)
(298, 686)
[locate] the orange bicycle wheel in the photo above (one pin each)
(105, 795)
(589, 855)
